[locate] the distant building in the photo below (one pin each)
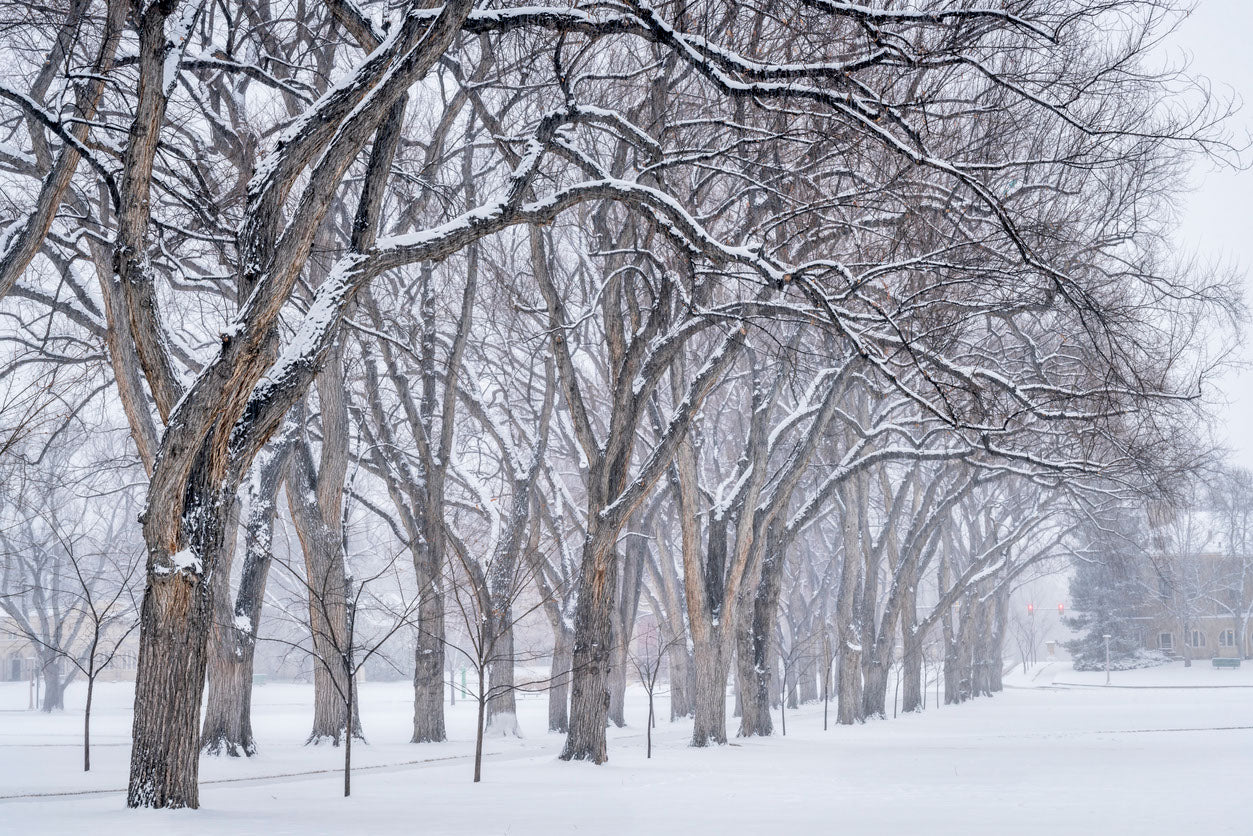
(1197, 606)
(20, 660)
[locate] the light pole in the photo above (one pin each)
(1031, 632)
(1107, 638)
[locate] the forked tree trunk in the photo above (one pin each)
(227, 725)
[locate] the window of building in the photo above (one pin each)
(1197, 639)
(1227, 638)
(1166, 641)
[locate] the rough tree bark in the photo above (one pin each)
(227, 725)
(757, 661)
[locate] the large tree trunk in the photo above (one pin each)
(959, 658)
(328, 621)
(848, 686)
(221, 732)
(710, 618)
(981, 659)
(754, 684)
(874, 687)
(314, 494)
(593, 634)
(669, 607)
(559, 680)
(55, 680)
(848, 606)
(711, 669)
(228, 703)
(228, 707)
(808, 680)
(912, 698)
(776, 682)
(952, 669)
(176, 618)
(618, 678)
(756, 651)
(428, 670)
(502, 709)
(911, 652)
(680, 679)
(997, 655)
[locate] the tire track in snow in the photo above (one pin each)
(280, 777)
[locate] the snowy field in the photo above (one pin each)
(1165, 751)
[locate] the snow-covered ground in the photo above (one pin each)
(1043, 757)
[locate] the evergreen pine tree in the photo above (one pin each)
(1104, 600)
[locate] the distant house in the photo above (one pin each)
(1197, 606)
(20, 660)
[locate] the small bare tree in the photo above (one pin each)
(385, 614)
(67, 575)
(488, 614)
(650, 649)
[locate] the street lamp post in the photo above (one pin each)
(1107, 638)
(1031, 633)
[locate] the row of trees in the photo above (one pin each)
(818, 323)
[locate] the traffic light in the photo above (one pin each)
(1030, 609)
(1061, 610)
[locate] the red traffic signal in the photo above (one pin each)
(1030, 609)
(1061, 609)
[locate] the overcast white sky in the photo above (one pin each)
(1218, 219)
